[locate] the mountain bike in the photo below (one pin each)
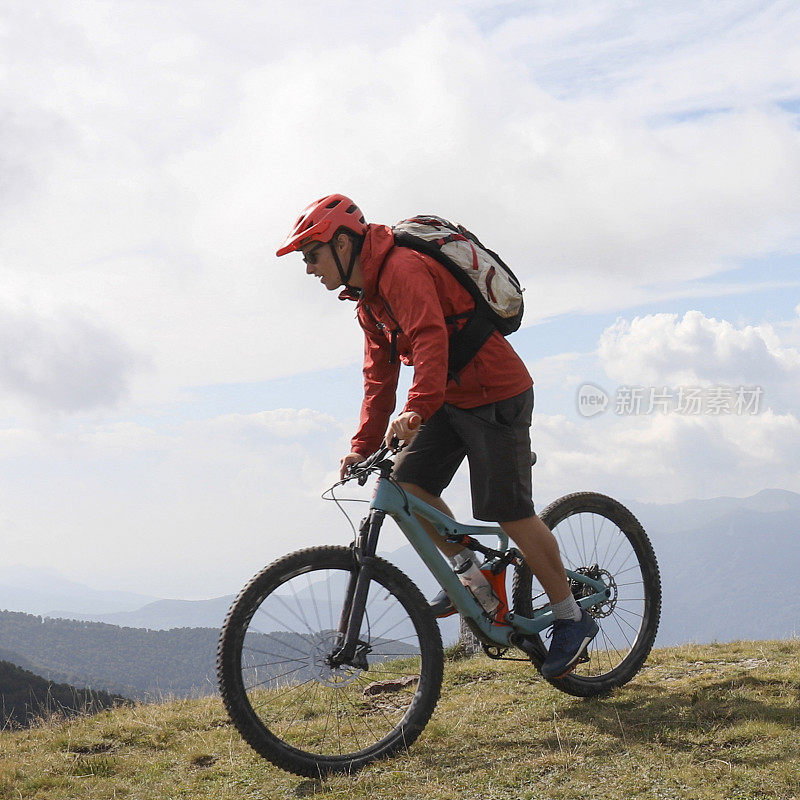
(330, 657)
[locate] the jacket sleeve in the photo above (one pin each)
(411, 292)
(380, 388)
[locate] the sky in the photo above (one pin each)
(174, 399)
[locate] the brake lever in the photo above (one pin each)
(362, 470)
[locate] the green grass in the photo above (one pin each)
(712, 721)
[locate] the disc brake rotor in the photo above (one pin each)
(335, 677)
(580, 590)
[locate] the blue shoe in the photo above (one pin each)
(568, 645)
(442, 606)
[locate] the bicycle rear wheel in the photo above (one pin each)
(297, 711)
(599, 537)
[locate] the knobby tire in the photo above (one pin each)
(594, 529)
(299, 713)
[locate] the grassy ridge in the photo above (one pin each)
(713, 721)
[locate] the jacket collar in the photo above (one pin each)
(378, 241)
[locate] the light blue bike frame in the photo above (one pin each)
(401, 506)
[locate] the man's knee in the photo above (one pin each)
(531, 523)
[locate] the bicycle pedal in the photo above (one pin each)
(524, 644)
(583, 658)
(564, 674)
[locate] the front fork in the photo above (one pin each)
(350, 650)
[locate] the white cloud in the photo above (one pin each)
(157, 159)
(176, 509)
(663, 57)
(670, 455)
(286, 423)
(666, 457)
(62, 363)
(665, 349)
(151, 158)
(559, 371)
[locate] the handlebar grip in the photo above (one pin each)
(362, 469)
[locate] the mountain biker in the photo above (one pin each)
(408, 305)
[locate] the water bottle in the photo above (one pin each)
(469, 574)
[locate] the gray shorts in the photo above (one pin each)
(496, 440)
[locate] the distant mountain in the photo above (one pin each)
(731, 578)
(729, 567)
(726, 565)
(168, 614)
(694, 514)
(25, 696)
(39, 591)
(163, 614)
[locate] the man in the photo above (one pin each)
(408, 306)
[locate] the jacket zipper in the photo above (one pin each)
(392, 333)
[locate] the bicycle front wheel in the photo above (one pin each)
(599, 537)
(295, 709)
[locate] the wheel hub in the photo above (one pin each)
(336, 677)
(580, 590)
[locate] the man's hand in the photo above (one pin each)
(347, 461)
(404, 427)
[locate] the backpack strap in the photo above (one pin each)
(467, 341)
(463, 343)
(404, 239)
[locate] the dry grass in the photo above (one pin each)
(717, 721)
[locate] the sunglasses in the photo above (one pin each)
(311, 256)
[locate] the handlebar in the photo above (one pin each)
(362, 470)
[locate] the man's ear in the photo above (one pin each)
(342, 243)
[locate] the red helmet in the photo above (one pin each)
(320, 221)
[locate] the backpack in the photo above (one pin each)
(492, 285)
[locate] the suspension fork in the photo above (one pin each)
(350, 650)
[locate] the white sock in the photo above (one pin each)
(567, 609)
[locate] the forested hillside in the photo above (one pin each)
(134, 662)
(26, 697)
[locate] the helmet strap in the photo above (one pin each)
(345, 277)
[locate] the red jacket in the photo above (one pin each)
(411, 291)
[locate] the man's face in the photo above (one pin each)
(320, 263)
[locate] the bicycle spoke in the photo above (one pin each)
(275, 678)
(583, 538)
(279, 641)
(572, 563)
(291, 685)
(273, 663)
(313, 599)
(599, 537)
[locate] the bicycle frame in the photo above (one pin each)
(389, 498)
(317, 693)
